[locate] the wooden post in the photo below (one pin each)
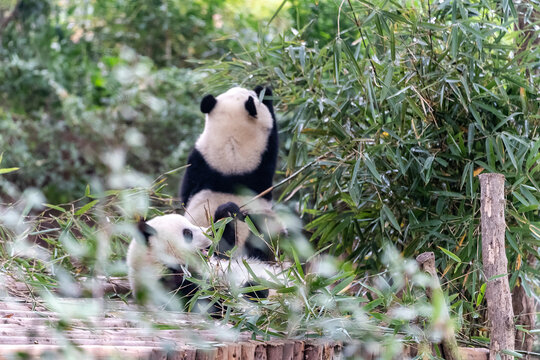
(525, 312)
(426, 261)
(495, 264)
(298, 350)
(222, 352)
(313, 350)
(260, 351)
(274, 350)
(235, 350)
(474, 354)
(206, 354)
(338, 348)
(328, 350)
(248, 350)
(288, 350)
(158, 354)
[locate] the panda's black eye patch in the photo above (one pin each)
(188, 235)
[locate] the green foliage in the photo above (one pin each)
(390, 109)
(316, 18)
(79, 79)
(82, 242)
(401, 112)
(6, 170)
(71, 91)
(168, 32)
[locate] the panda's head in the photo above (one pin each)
(171, 239)
(236, 130)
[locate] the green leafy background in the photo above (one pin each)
(397, 107)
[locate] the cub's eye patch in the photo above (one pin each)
(188, 235)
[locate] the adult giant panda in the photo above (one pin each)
(234, 159)
(168, 259)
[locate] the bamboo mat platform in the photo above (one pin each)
(88, 328)
(38, 332)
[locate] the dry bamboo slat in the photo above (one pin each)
(35, 333)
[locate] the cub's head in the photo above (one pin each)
(172, 238)
(237, 127)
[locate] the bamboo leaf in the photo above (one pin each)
(8, 170)
(55, 207)
(83, 210)
(450, 254)
(276, 12)
(390, 216)
(481, 293)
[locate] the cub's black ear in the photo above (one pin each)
(207, 104)
(267, 94)
(250, 107)
(146, 230)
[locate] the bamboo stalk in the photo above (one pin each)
(525, 311)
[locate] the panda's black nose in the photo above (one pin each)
(188, 235)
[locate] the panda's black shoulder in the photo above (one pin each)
(196, 176)
(201, 176)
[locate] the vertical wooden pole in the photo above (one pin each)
(288, 350)
(525, 311)
(313, 350)
(495, 265)
(426, 261)
(298, 350)
(274, 350)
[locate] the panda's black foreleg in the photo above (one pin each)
(257, 247)
(228, 239)
(254, 246)
(174, 280)
(255, 295)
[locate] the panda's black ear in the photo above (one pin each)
(146, 230)
(267, 94)
(207, 104)
(250, 107)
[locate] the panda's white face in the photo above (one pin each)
(233, 141)
(172, 242)
(175, 239)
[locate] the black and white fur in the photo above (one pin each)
(234, 159)
(169, 246)
(168, 252)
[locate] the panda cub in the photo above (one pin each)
(168, 252)
(234, 159)
(169, 256)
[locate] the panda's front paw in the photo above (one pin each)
(228, 209)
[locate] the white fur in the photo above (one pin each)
(234, 272)
(232, 141)
(146, 263)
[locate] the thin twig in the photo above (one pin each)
(364, 43)
(296, 173)
(339, 19)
